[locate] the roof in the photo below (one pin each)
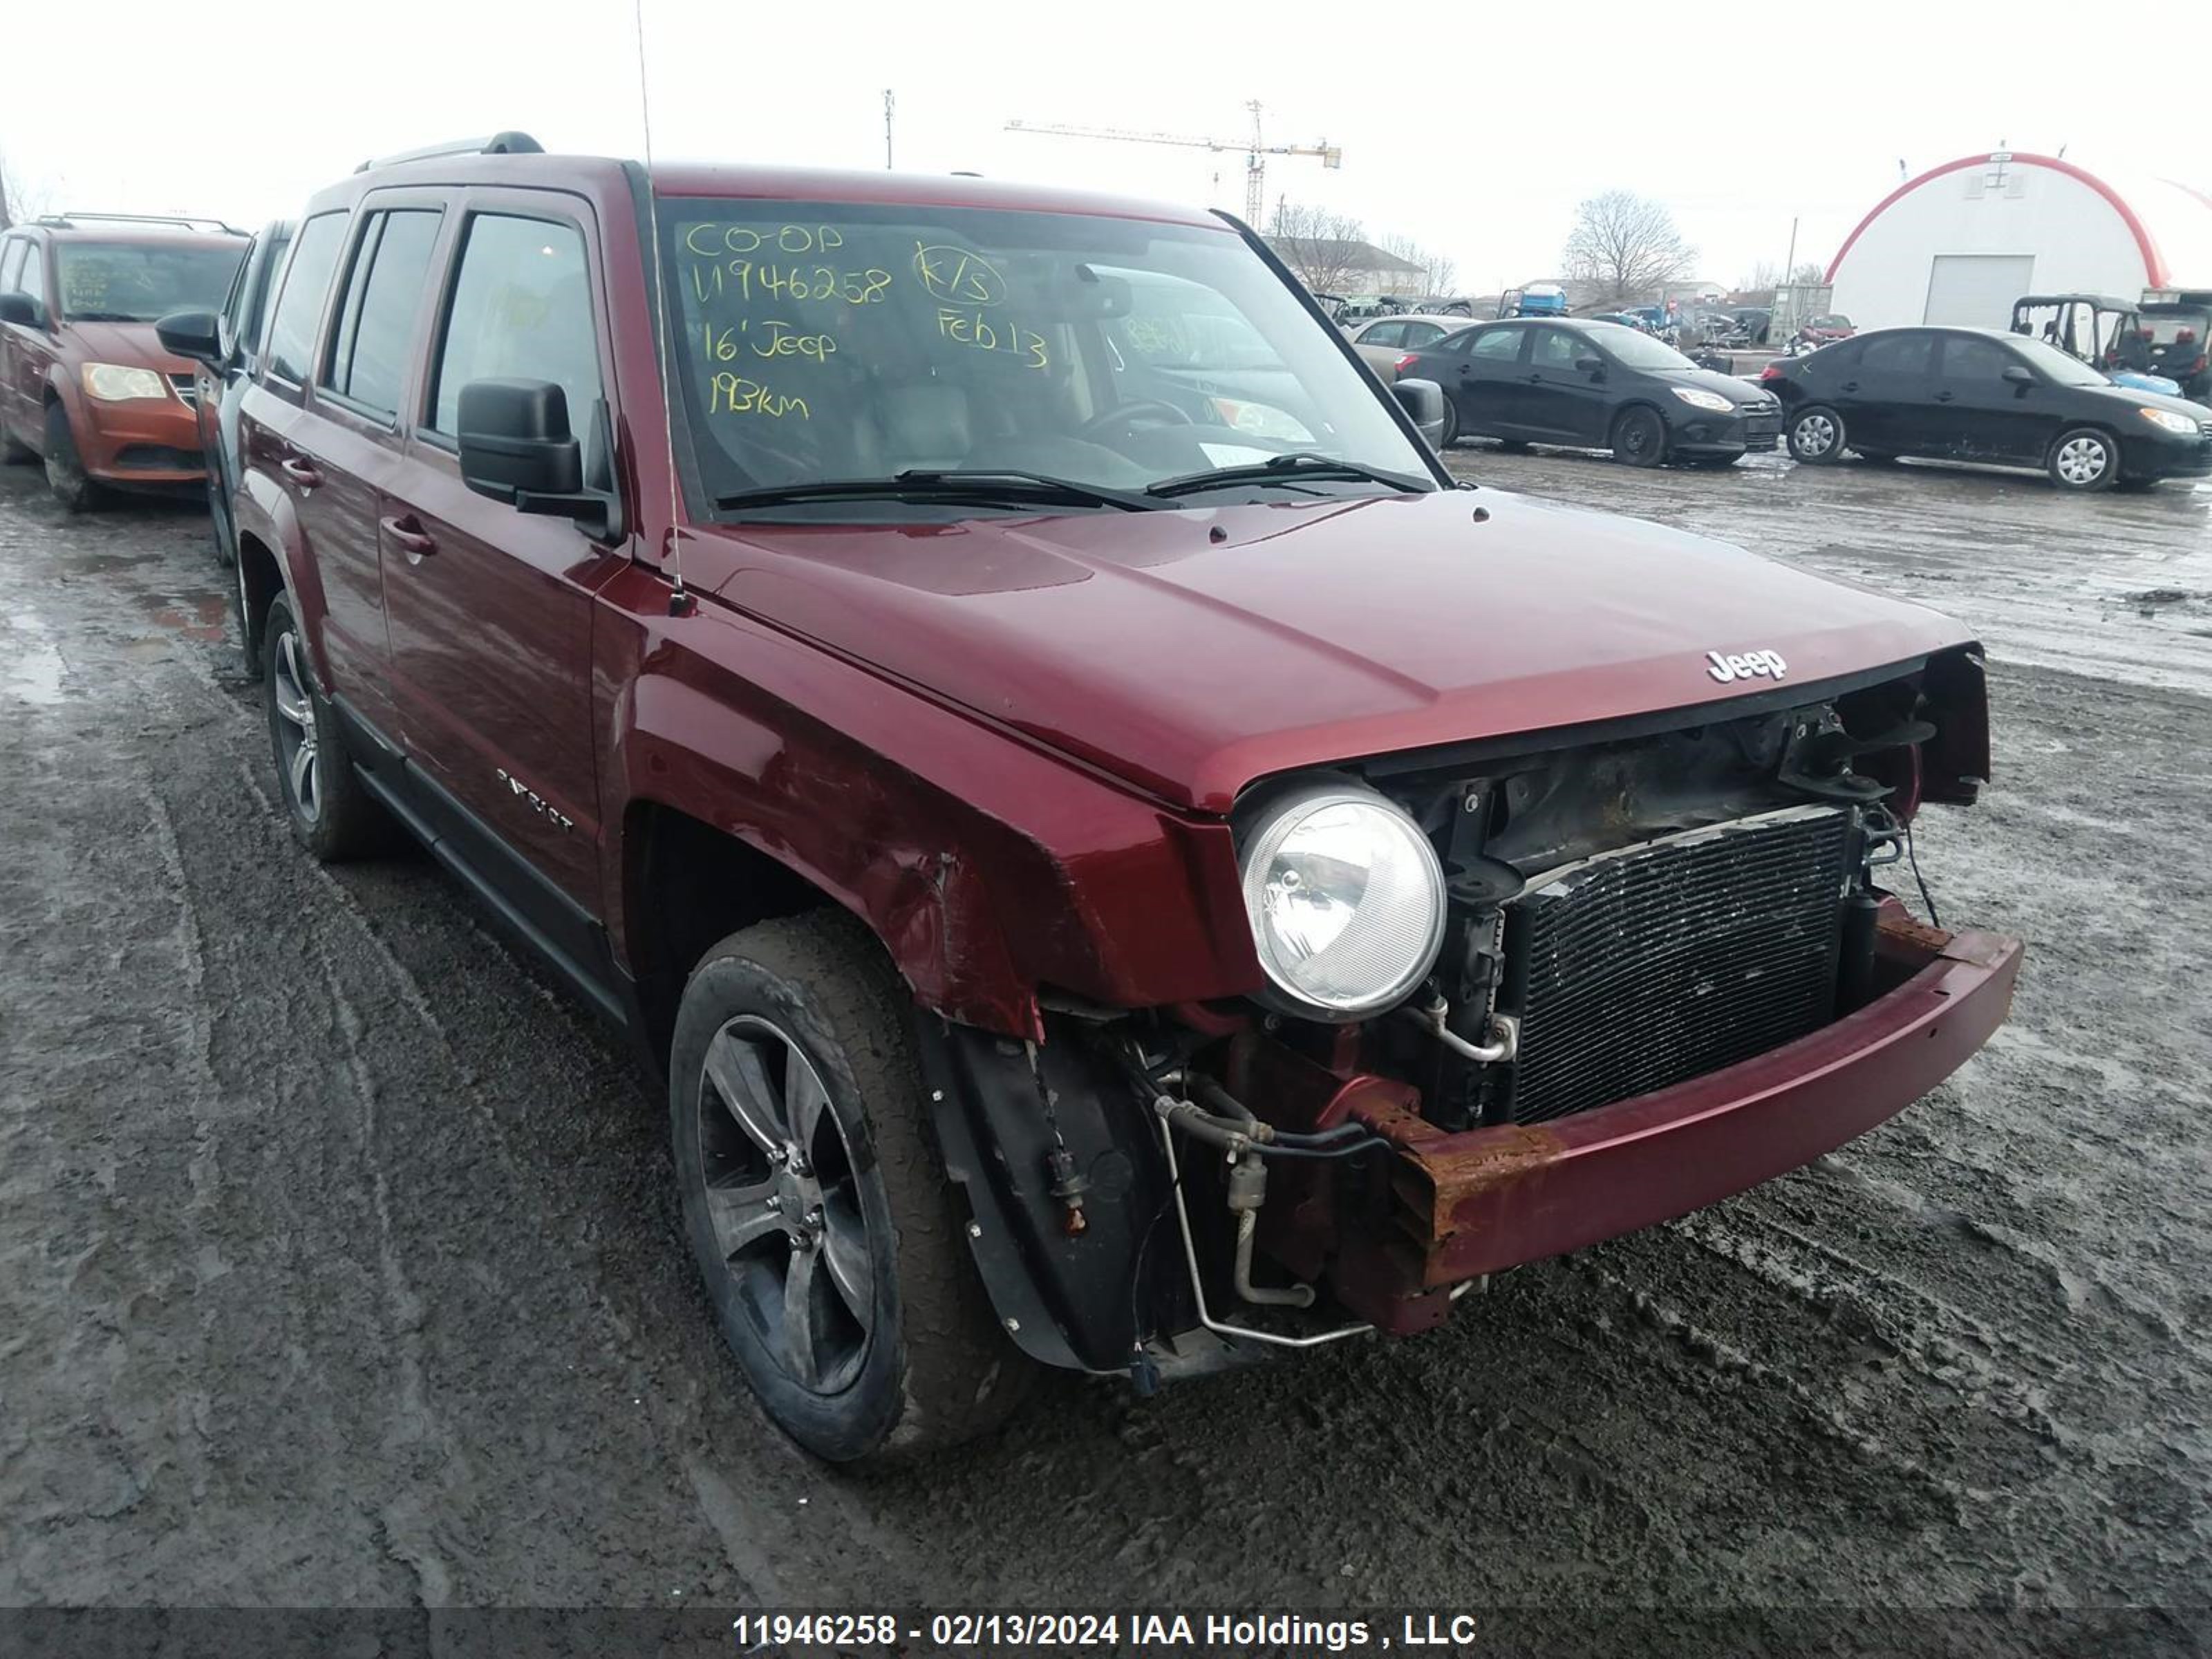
(2171, 223)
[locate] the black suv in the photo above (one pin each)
(1971, 394)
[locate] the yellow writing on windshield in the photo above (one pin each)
(748, 281)
(713, 240)
(734, 394)
(774, 338)
(955, 274)
(974, 329)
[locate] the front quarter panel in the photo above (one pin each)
(989, 868)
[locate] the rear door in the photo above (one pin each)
(1558, 400)
(334, 446)
(490, 608)
(1485, 382)
(29, 351)
(1886, 394)
(1979, 414)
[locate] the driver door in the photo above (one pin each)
(1559, 400)
(1484, 384)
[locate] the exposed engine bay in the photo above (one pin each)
(1617, 914)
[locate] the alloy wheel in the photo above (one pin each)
(2082, 461)
(783, 1199)
(297, 735)
(1816, 435)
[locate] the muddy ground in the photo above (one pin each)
(339, 1262)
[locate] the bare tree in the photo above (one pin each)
(1322, 248)
(18, 203)
(9, 214)
(1438, 270)
(1627, 246)
(1766, 276)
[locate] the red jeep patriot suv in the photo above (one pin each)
(1121, 863)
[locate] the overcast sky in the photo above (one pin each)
(1474, 137)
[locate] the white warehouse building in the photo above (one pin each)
(1962, 241)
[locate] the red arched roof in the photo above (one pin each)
(2154, 269)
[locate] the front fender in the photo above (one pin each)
(991, 870)
(265, 513)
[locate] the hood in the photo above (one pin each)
(2135, 398)
(1743, 394)
(133, 345)
(1308, 634)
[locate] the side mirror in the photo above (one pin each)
(1590, 365)
(1424, 400)
(515, 441)
(516, 446)
(194, 334)
(2020, 374)
(22, 308)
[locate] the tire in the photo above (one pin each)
(1452, 426)
(2084, 459)
(331, 814)
(903, 1355)
(1816, 435)
(1639, 438)
(1714, 463)
(1876, 456)
(66, 475)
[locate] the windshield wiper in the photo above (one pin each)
(992, 485)
(1299, 464)
(105, 317)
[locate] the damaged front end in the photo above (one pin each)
(1660, 963)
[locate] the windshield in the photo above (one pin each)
(839, 342)
(140, 282)
(2056, 365)
(1634, 349)
(1833, 319)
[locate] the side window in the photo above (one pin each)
(1384, 334)
(307, 282)
(255, 322)
(376, 316)
(521, 310)
(1910, 354)
(1495, 345)
(1984, 361)
(1556, 349)
(1421, 334)
(11, 262)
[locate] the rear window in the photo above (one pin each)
(376, 321)
(2188, 329)
(300, 309)
(142, 282)
(1897, 354)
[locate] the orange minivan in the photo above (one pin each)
(84, 384)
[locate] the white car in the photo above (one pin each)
(1382, 340)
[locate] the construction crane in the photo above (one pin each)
(1257, 150)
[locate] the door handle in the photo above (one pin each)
(408, 535)
(1849, 386)
(303, 473)
(1945, 396)
(1534, 379)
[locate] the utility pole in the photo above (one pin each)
(1790, 265)
(888, 101)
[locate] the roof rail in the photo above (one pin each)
(67, 221)
(500, 143)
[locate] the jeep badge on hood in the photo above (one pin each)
(1765, 664)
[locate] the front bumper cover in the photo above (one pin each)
(1480, 1201)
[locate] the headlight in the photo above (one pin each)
(1697, 400)
(112, 383)
(2170, 421)
(1346, 901)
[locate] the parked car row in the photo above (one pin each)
(997, 704)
